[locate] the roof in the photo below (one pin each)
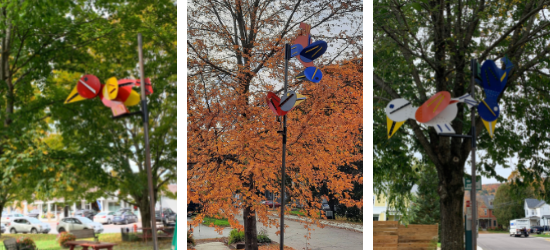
(173, 188)
(486, 199)
(534, 203)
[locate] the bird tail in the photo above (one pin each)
(469, 100)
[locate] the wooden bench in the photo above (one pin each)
(85, 234)
(148, 234)
(10, 244)
(81, 234)
(94, 245)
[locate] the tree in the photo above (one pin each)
(509, 203)
(425, 208)
(421, 48)
(118, 145)
(234, 59)
(34, 39)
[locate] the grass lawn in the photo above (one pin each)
(541, 235)
(49, 242)
(494, 232)
(338, 218)
(217, 222)
(297, 212)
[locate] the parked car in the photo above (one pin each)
(33, 214)
(167, 217)
(7, 217)
(88, 213)
(2, 228)
(78, 223)
(125, 209)
(537, 229)
(126, 217)
(270, 204)
(28, 225)
(104, 217)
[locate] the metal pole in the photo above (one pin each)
(287, 55)
(147, 149)
(474, 184)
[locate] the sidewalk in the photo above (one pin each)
(338, 224)
(212, 246)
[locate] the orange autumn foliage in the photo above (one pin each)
(234, 58)
(234, 147)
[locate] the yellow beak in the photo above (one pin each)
(393, 127)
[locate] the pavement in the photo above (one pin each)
(321, 238)
(212, 246)
(343, 225)
(505, 242)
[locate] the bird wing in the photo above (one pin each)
(468, 99)
(444, 128)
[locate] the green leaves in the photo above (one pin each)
(417, 6)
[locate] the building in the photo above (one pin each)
(167, 202)
(53, 209)
(380, 212)
(485, 216)
(537, 211)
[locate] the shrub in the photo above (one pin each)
(26, 244)
(350, 213)
(62, 238)
(190, 238)
(262, 237)
(236, 236)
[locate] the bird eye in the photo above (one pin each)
(496, 109)
(392, 106)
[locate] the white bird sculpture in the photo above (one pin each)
(438, 112)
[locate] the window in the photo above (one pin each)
(485, 211)
(375, 218)
(494, 223)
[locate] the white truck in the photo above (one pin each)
(519, 227)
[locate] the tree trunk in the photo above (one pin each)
(250, 232)
(1, 210)
(451, 192)
(145, 212)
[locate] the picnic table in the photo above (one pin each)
(91, 244)
(148, 233)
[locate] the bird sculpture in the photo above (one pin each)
(282, 106)
(305, 52)
(115, 94)
(493, 81)
(438, 112)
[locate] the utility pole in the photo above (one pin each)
(147, 149)
(282, 240)
(474, 186)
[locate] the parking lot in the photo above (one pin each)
(108, 228)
